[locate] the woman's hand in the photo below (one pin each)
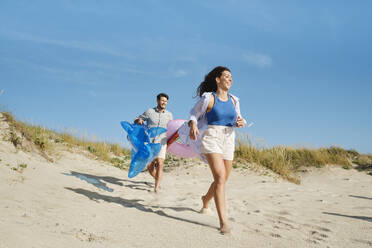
(240, 122)
(194, 131)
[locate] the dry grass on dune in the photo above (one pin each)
(45, 140)
(285, 161)
(364, 163)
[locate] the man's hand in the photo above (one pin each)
(139, 121)
(194, 131)
(240, 122)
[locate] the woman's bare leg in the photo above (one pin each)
(209, 195)
(217, 166)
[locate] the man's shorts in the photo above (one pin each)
(219, 139)
(162, 152)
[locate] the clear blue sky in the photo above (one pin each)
(302, 69)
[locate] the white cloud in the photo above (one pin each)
(66, 76)
(253, 13)
(179, 73)
(1, 92)
(92, 93)
(94, 47)
(256, 59)
(116, 68)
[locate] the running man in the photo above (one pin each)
(157, 117)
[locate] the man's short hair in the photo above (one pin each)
(162, 95)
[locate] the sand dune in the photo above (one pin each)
(80, 202)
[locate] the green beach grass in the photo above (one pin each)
(283, 160)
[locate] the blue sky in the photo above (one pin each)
(302, 69)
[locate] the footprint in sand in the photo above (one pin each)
(83, 235)
(367, 242)
(318, 228)
(289, 226)
(326, 221)
(312, 241)
(318, 236)
(282, 222)
(284, 212)
(275, 235)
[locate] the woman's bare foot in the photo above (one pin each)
(225, 229)
(206, 211)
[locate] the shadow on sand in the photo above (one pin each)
(99, 181)
(361, 197)
(135, 203)
(365, 218)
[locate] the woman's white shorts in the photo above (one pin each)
(219, 139)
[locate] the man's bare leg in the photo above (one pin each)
(159, 173)
(151, 168)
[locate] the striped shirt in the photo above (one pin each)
(155, 118)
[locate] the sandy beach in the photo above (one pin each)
(78, 201)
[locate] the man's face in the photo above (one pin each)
(162, 102)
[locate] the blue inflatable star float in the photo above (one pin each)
(143, 151)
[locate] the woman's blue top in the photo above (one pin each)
(222, 113)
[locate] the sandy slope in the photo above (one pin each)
(51, 205)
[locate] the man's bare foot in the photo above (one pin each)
(225, 229)
(205, 204)
(157, 189)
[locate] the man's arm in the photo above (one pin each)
(142, 118)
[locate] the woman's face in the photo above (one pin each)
(224, 82)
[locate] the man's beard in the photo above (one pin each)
(160, 107)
